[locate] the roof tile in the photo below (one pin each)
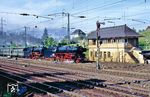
(114, 32)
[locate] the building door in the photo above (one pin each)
(105, 56)
(92, 55)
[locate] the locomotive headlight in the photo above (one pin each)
(53, 55)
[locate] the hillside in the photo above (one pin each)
(19, 39)
(144, 41)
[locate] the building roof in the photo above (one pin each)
(114, 32)
(148, 28)
(78, 32)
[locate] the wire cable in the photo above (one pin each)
(114, 3)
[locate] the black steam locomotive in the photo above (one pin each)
(58, 53)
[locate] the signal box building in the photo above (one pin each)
(119, 44)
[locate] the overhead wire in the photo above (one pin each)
(26, 24)
(100, 7)
(106, 5)
(82, 11)
(140, 3)
(137, 5)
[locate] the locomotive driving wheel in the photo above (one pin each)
(77, 61)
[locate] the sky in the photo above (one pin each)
(134, 13)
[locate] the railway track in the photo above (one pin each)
(55, 84)
(19, 80)
(36, 84)
(100, 89)
(139, 75)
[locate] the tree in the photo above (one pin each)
(140, 30)
(45, 35)
(63, 42)
(134, 29)
(49, 42)
(144, 41)
(12, 44)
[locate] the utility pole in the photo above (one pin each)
(2, 34)
(2, 24)
(68, 22)
(98, 24)
(25, 37)
(68, 26)
(68, 15)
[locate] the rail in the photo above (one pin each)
(48, 93)
(112, 89)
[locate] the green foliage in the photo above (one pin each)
(63, 42)
(49, 42)
(87, 53)
(144, 41)
(45, 34)
(13, 45)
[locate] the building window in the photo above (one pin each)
(91, 54)
(117, 40)
(104, 41)
(109, 54)
(94, 42)
(104, 55)
(114, 40)
(100, 42)
(126, 40)
(95, 53)
(121, 40)
(109, 40)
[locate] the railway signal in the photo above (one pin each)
(98, 24)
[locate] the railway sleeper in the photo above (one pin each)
(126, 91)
(87, 85)
(46, 88)
(124, 82)
(137, 81)
(21, 79)
(62, 86)
(30, 87)
(13, 77)
(79, 85)
(93, 83)
(97, 83)
(102, 85)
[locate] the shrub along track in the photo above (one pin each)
(73, 79)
